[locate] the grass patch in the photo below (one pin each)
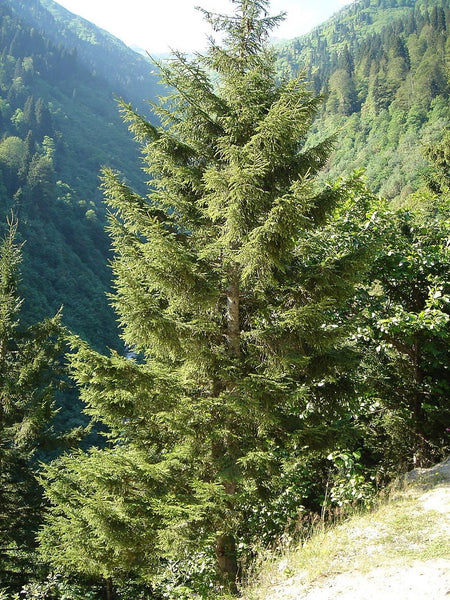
(397, 532)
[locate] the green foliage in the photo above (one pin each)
(407, 336)
(234, 285)
(349, 485)
(438, 178)
(56, 589)
(30, 374)
(271, 379)
(53, 107)
(53, 587)
(382, 68)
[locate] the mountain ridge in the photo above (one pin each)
(99, 50)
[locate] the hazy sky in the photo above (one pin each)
(159, 25)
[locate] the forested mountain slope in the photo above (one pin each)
(59, 125)
(382, 66)
(290, 338)
(126, 72)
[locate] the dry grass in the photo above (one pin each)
(411, 524)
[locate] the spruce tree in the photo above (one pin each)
(30, 374)
(234, 281)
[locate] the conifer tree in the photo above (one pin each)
(30, 373)
(233, 285)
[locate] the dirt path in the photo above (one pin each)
(422, 580)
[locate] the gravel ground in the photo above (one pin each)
(422, 580)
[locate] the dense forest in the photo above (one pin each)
(383, 71)
(60, 124)
(273, 349)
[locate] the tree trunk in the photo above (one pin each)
(109, 589)
(420, 455)
(227, 568)
(233, 321)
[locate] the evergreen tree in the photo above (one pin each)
(44, 125)
(30, 373)
(233, 285)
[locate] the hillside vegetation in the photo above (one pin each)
(380, 65)
(273, 350)
(398, 549)
(383, 69)
(60, 123)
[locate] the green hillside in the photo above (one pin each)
(287, 326)
(127, 73)
(382, 66)
(59, 125)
